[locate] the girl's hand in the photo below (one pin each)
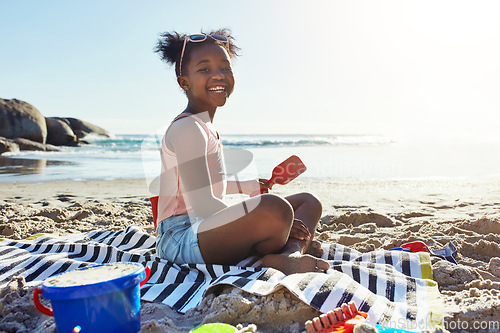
(299, 230)
(264, 185)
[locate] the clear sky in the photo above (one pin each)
(413, 68)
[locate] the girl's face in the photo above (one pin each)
(208, 78)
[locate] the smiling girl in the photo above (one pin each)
(197, 226)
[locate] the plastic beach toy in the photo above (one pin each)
(154, 208)
(100, 298)
(214, 328)
(448, 252)
(287, 170)
(284, 173)
(343, 319)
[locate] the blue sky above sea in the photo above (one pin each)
(416, 71)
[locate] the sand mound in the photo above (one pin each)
(473, 307)
(279, 312)
(357, 219)
(27, 220)
(18, 310)
(482, 226)
(482, 250)
(449, 275)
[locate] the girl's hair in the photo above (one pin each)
(169, 46)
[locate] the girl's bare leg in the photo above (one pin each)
(261, 225)
(308, 209)
(258, 225)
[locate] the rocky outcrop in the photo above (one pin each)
(21, 122)
(7, 145)
(21, 119)
(69, 131)
(17, 144)
(25, 144)
(82, 128)
(60, 133)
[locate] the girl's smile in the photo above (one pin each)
(207, 78)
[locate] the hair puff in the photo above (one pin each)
(169, 46)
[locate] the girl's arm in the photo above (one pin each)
(247, 187)
(189, 142)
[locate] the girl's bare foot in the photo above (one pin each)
(290, 263)
(315, 249)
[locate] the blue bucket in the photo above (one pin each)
(82, 303)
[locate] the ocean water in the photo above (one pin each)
(334, 156)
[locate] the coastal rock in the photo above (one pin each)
(25, 144)
(60, 133)
(7, 145)
(83, 128)
(21, 119)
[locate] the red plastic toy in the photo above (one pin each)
(285, 172)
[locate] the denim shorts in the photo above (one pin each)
(177, 239)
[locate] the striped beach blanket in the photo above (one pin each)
(395, 288)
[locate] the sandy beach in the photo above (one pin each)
(364, 215)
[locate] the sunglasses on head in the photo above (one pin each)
(198, 38)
